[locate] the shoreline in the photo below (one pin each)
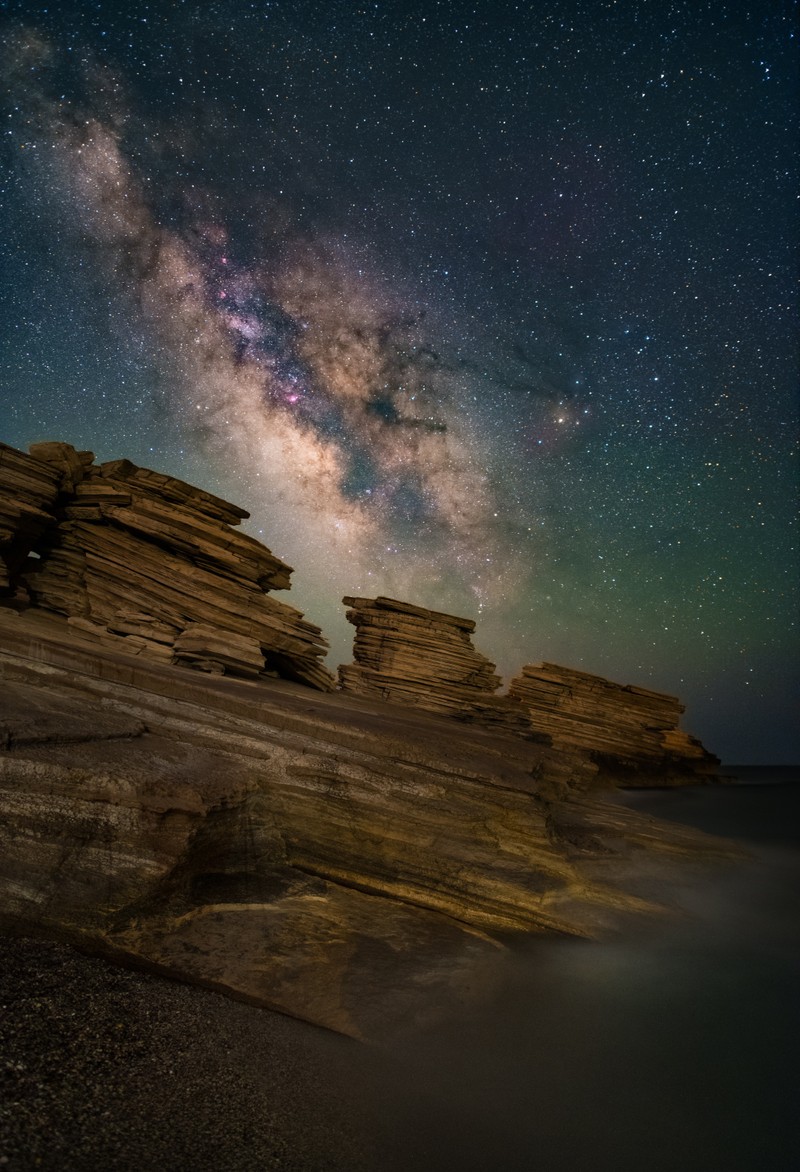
(112, 1068)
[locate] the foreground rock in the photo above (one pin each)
(138, 558)
(424, 658)
(630, 733)
(354, 864)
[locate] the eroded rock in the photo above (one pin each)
(408, 655)
(139, 556)
(352, 863)
(631, 733)
(28, 492)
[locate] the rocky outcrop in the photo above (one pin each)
(134, 556)
(631, 733)
(352, 863)
(409, 655)
(605, 733)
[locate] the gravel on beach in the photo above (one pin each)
(110, 1069)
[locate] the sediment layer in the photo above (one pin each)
(409, 655)
(352, 863)
(631, 733)
(132, 555)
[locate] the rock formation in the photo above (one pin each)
(141, 560)
(409, 655)
(631, 733)
(351, 863)
(607, 733)
(354, 863)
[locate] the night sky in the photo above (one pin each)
(485, 306)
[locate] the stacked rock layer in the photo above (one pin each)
(150, 563)
(408, 655)
(347, 862)
(630, 732)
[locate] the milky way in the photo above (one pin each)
(308, 373)
(488, 311)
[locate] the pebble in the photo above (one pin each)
(105, 1068)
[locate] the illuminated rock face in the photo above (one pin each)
(351, 863)
(631, 733)
(408, 655)
(138, 558)
(604, 732)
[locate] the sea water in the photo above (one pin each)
(673, 1050)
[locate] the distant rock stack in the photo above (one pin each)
(150, 564)
(631, 733)
(408, 655)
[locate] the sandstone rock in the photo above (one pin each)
(168, 488)
(148, 559)
(153, 630)
(409, 655)
(344, 861)
(199, 644)
(631, 733)
(71, 464)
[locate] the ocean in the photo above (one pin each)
(677, 1049)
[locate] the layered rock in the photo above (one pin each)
(354, 864)
(150, 564)
(345, 861)
(631, 733)
(408, 655)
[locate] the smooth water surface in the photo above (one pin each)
(675, 1050)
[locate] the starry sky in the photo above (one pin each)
(486, 306)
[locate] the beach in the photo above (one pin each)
(671, 1047)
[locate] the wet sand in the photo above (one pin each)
(108, 1069)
